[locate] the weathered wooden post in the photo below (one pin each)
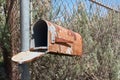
(50, 38)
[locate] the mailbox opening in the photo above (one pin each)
(40, 35)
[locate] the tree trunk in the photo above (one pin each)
(12, 20)
(6, 60)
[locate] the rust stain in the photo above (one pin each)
(58, 29)
(71, 33)
(66, 41)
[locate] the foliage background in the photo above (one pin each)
(100, 31)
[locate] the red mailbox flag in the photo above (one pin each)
(51, 38)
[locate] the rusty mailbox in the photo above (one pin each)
(49, 37)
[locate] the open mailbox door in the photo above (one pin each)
(51, 38)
